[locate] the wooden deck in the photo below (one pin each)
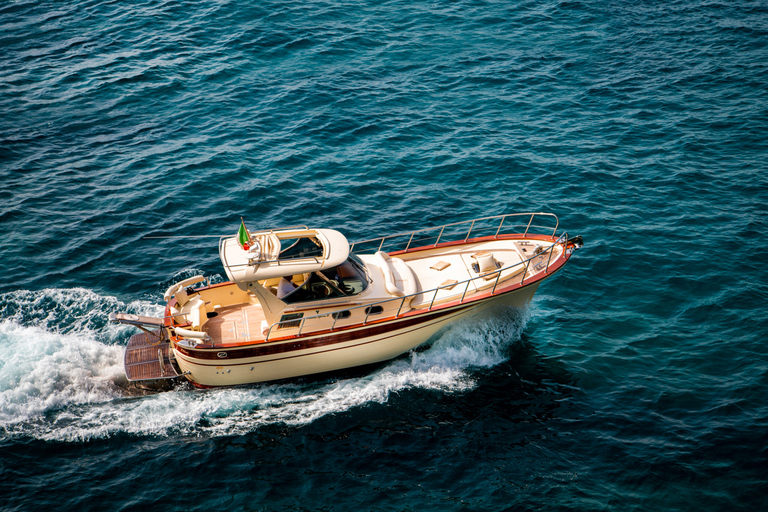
(236, 324)
(147, 357)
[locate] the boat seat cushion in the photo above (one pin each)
(404, 277)
(182, 297)
(179, 290)
(485, 262)
(197, 313)
(398, 276)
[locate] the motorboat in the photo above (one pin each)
(300, 301)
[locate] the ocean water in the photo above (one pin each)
(637, 379)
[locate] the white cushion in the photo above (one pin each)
(197, 315)
(486, 262)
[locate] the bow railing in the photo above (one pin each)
(518, 223)
(396, 307)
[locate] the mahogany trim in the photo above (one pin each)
(293, 356)
(512, 236)
(304, 343)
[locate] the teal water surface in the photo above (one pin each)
(636, 380)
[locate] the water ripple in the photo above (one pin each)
(639, 379)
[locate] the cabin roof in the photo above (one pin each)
(278, 253)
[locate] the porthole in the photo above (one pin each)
(341, 314)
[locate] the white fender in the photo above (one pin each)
(186, 333)
(254, 253)
(171, 291)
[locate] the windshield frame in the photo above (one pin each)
(329, 284)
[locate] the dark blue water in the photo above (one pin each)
(636, 380)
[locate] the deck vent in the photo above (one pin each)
(290, 320)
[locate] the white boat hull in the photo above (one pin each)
(383, 344)
(348, 308)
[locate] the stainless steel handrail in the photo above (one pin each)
(472, 223)
(222, 239)
(561, 241)
(278, 261)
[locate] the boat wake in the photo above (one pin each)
(61, 375)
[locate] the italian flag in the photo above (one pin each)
(243, 238)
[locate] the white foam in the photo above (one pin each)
(41, 371)
(70, 310)
(70, 386)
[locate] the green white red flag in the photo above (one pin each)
(243, 238)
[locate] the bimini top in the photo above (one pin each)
(281, 252)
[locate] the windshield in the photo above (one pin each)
(347, 279)
(300, 248)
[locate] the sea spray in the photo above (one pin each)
(42, 372)
(60, 380)
(74, 310)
